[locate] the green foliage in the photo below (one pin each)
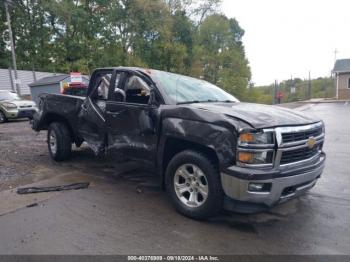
(219, 56)
(4, 53)
(322, 87)
(185, 36)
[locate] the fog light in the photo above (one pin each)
(259, 187)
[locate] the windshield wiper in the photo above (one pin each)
(228, 101)
(188, 102)
(206, 101)
(197, 101)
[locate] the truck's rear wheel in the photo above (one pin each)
(59, 141)
(193, 184)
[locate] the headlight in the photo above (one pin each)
(263, 157)
(255, 138)
(9, 105)
(255, 148)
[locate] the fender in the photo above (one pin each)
(220, 139)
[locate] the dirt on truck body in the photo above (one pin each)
(210, 151)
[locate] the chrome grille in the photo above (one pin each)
(302, 135)
(292, 144)
(299, 154)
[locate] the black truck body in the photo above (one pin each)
(138, 116)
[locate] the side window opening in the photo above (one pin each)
(100, 95)
(102, 85)
(348, 82)
(115, 96)
(117, 80)
(137, 90)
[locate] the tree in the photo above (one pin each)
(182, 36)
(220, 54)
(4, 52)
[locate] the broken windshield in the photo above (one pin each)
(184, 89)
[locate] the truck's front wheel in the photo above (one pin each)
(193, 184)
(59, 141)
(3, 118)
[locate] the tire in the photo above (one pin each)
(192, 173)
(3, 118)
(59, 141)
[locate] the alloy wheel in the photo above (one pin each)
(191, 185)
(2, 117)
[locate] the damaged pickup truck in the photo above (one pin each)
(209, 150)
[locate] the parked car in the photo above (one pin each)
(14, 107)
(75, 89)
(209, 150)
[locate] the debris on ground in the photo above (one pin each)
(32, 205)
(31, 190)
(149, 186)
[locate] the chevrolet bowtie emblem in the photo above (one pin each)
(311, 142)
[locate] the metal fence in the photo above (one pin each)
(25, 78)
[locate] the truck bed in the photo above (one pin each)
(57, 105)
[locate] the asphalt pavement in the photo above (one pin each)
(124, 212)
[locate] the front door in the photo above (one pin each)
(131, 124)
(92, 123)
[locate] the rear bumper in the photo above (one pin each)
(279, 187)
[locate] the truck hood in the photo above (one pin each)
(257, 115)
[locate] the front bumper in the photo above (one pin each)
(284, 185)
(20, 113)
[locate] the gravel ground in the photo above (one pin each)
(25, 159)
(21, 152)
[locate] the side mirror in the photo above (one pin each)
(119, 95)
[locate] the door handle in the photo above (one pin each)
(114, 114)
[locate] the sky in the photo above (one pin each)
(289, 38)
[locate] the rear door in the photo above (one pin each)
(92, 122)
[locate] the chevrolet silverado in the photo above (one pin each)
(209, 150)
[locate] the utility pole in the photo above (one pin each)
(275, 93)
(335, 55)
(11, 80)
(292, 86)
(309, 86)
(14, 64)
(336, 77)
